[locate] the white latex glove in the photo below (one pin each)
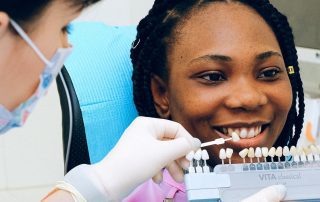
(274, 193)
(147, 146)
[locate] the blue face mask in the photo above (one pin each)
(17, 117)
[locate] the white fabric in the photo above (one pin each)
(77, 197)
(86, 182)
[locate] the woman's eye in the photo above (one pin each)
(270, 74)
(213, 77)
(67, 29)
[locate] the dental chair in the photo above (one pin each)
(96, 91)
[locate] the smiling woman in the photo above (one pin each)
(219, 67)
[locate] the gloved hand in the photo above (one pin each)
(274, 193)
(147, 146)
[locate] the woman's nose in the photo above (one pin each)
(246, 95)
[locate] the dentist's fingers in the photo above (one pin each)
(175, 149)
(166, 129)
(175, 171)
(183, 162)
(157, 178)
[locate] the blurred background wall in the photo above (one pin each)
(304, 17)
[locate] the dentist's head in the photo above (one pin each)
(33, 47)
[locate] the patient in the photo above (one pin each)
(217, 67)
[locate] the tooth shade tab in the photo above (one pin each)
(222, 154)
(293, 151)
(190, 156)
(300, 151)
(314, 149)
(258, 152)
(286, 151)
(205, 155)
(229, 152)
(265, 152)
(310, 157)
(303, 157)
(307, 150)
(272, 152)
(316, 153)
(197, 155)
(251, 152)
(243, 153)
(279, 152)
(235, 137)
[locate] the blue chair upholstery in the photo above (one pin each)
(100, 69)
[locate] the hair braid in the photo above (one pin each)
(150, 54)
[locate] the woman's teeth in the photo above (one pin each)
(244, 133)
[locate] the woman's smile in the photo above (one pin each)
(251, 135)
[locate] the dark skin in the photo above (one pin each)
(226, 72)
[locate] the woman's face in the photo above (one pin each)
(20, 67)
(226, 73)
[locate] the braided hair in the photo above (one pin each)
(156, 33)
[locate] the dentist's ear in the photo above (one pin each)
(4, 23)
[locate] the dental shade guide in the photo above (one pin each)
(227, 182)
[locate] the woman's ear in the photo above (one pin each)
(4, 23)
(159, 91)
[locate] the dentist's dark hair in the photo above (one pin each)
(156, 33)
(26, 11)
